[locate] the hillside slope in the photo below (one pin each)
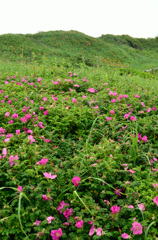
(76, 47)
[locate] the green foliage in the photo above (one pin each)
(115, 164)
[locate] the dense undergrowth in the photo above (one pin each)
(78, 152)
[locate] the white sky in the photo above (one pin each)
(137, 18)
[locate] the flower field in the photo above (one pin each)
(78, 155)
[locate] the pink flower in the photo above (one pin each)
(107, 202)
(41, 124)
(48, 175)
(148, 110)
(92, 90)
(67, 213)
(141, 206)
(30, 137)
(98, 231)
(112, 112)
(6, 140)
(20, 189)
(113, 100)
(132, 118)
(46, 140)
(56, 234)
(37, 222)
(137, 96)
(23, 119)
(91, 232)
(44, 197)
(115, 209)
(15, 115)
(74, 100)
(137, 228)
(4, 152)
(39, 79)
(43, 161)
(11, 121)
(79, 224)
(155, 200)
(118, 192)
(125, 236)
(11, 160)
(108, 118)
(142, 104)
(131, 171)
(62, 205)
(76, 181)
(46, 112)
(145, 138)
(7, 114)
(17, 131)
(130, 206)
(41, 108)
(155, 185)
(50, 218)
(154, 108)
(126, 116)
(44, 99)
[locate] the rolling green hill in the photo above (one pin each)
(76, 47)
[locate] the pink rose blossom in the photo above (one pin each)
(56, 234)
(155, 200)
(141, 206)
(98, 231)
(48, 175)
(20, 189)
(44, 99)
(155, 185)
(76, 180)
(113, 100)
(74, 100)
(92, 90)
(108, 118)
(67, 213)
(79, 224)
(46, 112)
(37, 222)
(125, 236)
(126, 116)
(130, 206)
(43, 161)
(112, 112)
(17, 131)
(107, 202)
(50, 218)
(145, 138)
(137, 228)
(115, 209)
(45, 198)
(132, 118)
(7, 114)
(62, 205)
(91, 232)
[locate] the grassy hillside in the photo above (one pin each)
(75, 47)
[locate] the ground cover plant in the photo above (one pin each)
(78, 152)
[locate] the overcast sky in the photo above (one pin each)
(137, 18)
